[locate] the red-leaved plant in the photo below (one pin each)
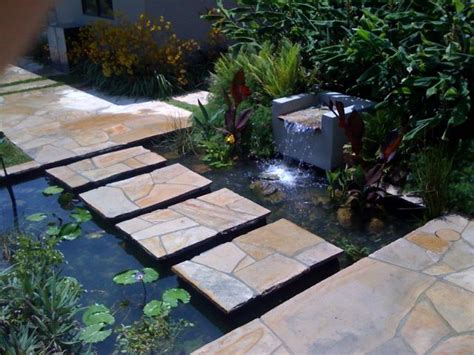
(235, 122)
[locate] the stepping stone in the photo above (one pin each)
(107, 167)
(144, 193)
(167, 233)
(255, 264)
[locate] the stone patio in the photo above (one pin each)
(166, 233)
(146, 192)
(54, 125)
(107, 167)
(255, 264)
(415, 296)
(13, 74)
(192, 98)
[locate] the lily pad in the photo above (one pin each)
(81, 215)
(70, 231)
(130, 277)
(94, 334)
(52, 190)
(36, 217)
(97, 314)
(126, 277)
(156, 308)
(53, 230)
(174, 295)
(150, 275)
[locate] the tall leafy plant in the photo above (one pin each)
(416, 58)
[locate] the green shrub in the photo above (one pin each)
(271, 72)
(415, 58)
(258, 139)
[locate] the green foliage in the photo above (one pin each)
(218, 152)
(415, 58)
(36, 217)
(152, 85)
(175, 295)
(96, 318)
(353, 251)
(272, 71)
(257, 140)
(38, 305)
(129, 277)
(311, 23)
(10, 153)
(52, 190)
(377, 125)
(149, 335)
(461, 186)
(432, 170)
(338, 183)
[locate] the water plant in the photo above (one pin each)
(130, 277)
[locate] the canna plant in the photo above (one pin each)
(235, 120)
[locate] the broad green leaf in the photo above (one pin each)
(65, 199)
(172, 296)
(94, 334)
(81, 215)
(150, 275)
(156, 308)
(36, 217)
(70, 231)
(97, 314)
(127, 277)
(53, 230)
(52, 190)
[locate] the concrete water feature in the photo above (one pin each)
(306, 130)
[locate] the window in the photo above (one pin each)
(99, 8)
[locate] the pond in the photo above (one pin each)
(101, 252)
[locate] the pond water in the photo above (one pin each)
(100, 252)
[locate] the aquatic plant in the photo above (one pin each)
(130, 277)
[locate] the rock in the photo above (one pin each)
(344, 216)
(320, 200)
(376, 226)
(269, 176)
(263, 187)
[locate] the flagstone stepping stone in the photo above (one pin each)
(189, 224)
(383, 304)
(107, 167)
(144, 193)
(255, 264)
(193, 98)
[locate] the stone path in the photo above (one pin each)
(142, 193)
(13, 74)
(33, 85)
(193, 97)
(57, 124)
(166, 233)
(107, 167)
(415, 296)
(255, 264)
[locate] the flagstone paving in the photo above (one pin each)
(33, 85)
(255, 264)
(192, 98)
(166, 233)
(104, 168)
(54, 125)
(142, 193)
(415, 296)
(13, 74)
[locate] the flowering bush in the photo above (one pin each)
(133, 52)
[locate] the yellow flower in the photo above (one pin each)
(230, 139)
